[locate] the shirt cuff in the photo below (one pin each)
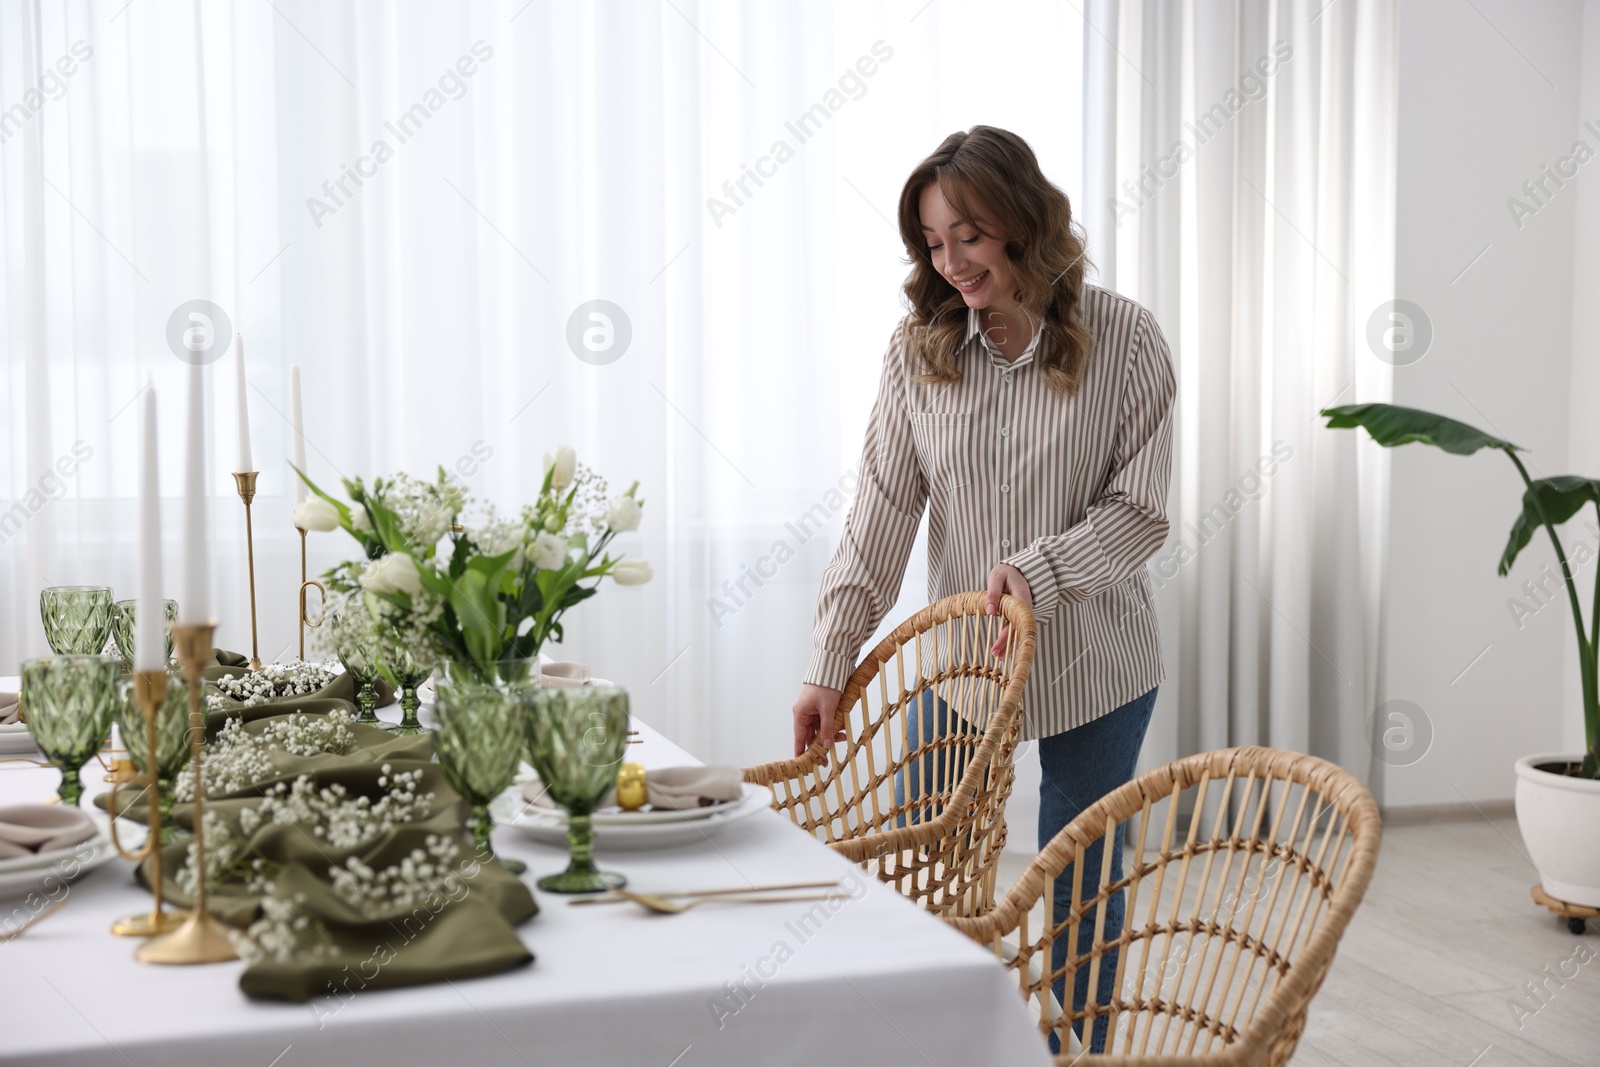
(1041, 581)
(829, 669)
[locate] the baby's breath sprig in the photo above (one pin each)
(274, 682)
(238, 758)
(286, 932)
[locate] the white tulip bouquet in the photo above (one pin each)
(484, 593)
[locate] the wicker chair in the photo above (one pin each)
(938, 840)
(1229, 931)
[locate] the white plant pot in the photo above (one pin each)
(1560, 822)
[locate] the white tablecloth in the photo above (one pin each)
(876, 982)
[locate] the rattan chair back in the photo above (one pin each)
(931, 710)
(1242, 868)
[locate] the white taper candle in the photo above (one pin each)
(196, 604)
(150, 616)
(244, 405)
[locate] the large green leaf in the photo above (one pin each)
(1391, 425)
(1557, 499)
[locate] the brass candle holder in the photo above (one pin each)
(246, 481)
(307, 583)
(150, 689)
(201, 938)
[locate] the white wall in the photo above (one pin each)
(1488, 94)
(1584, 443)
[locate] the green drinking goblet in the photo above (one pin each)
(123, 629)
(77, 618)
(69, 701)
(477, 735)
(360, 661)
(408, 673)
(576, 738)
(172, 738)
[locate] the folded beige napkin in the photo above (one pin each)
(693, 787)
(8, 708)
(562, 672)
(668, 788)
(26, 829)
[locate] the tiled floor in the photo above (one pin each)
(1438, 953)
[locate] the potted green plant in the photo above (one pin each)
(1558, 794)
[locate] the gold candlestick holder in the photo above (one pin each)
(305, 584)
(150, 689)
(201, 938)
(246, 481)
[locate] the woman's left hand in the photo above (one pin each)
(1003, 579)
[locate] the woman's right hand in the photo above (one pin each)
(813, 712)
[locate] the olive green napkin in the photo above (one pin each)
(467, 932)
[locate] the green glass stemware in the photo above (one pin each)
(408, 672)
(123, 614)
(477, 735)
(172, 738)
(77, 618)
(69, 701)
(361, 664)
(576, 738)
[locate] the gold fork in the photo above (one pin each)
(663, 906)
(20, 930)
(742, 890)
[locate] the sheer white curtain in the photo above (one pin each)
(1240, 184)
(533, 157)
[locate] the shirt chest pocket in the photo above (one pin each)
(945, 447)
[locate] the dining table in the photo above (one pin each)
(865, 978)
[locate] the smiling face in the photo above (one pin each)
(974, 262)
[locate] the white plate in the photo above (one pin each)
(631, 833)
(615, 816)
(75, 862)
(15, 739)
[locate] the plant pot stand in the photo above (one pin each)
(1577, 915)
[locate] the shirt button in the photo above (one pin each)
(1005, 544)
(1005, 487)
(1005, 431)
(1008, 379)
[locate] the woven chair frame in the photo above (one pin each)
(939, 846)
(1284, 845)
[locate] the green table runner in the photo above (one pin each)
(327, 906)
(343, 687)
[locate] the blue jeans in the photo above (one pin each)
(1077, 768)
(939, 771)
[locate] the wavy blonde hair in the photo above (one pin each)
(991, 178)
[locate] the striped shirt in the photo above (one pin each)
(1070, 491)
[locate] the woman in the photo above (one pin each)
(1032, 414)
